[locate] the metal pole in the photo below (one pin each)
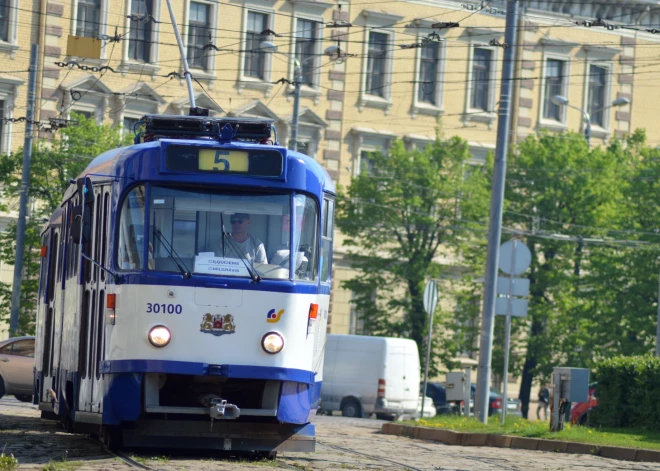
(426, 366)
(495, 223)
(657, 329)
(507, 335)
(293, 144)
(182, 51)
(25, 183)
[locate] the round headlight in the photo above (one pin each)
(159, 336)
(272, 342)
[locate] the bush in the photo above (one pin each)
(628, 392)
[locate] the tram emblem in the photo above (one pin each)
(217, 324)
(273, 317)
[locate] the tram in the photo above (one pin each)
(184, 291)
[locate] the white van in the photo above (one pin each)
(364, 375)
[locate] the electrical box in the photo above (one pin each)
(456, 386)
(573, 382)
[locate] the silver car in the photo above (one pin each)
(16, 367)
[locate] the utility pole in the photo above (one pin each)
(495, 223)
(296, 107)
(25, 184)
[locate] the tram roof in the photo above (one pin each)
(115, 162)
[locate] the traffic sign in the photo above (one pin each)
(515, 257)
(512, 286)
(511, 306)
(430, 297)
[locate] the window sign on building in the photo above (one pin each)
(306, 45)
(376, 64)
(139, 39)
(199, 35)
(254, 66)
(481, 68)
(597, 92)
(88, 18)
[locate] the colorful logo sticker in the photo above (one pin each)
(272, 317)
(217, 324)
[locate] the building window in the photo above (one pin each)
(5, 18)
(306, 41)
(139, 39)
(481, 68)
(597, 92)
(129, 124)
(199, 34)
(254, 56)
(367, 165)
(376, 64)
(554, 85)
(428, 71)
(88, 18)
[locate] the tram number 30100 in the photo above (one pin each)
(164, 308)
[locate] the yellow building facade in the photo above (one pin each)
(372, 72)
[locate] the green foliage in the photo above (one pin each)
(53, 164)
(8, 462)
(397, 219)
(628, 392)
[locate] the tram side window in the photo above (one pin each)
(305, 238)
(131, 231)
(326, 239)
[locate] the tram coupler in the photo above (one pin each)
(221, 410)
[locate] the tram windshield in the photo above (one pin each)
(220, 233)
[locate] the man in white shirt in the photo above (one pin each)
(240, 243)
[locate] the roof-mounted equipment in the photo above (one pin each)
(196, 127)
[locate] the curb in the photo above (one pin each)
(523, 443)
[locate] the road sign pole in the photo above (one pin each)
(507, 336)
(430, 303)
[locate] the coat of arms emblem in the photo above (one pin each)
(217, 324)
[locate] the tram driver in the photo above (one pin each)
(239, 243)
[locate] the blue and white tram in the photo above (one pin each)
(156, 325)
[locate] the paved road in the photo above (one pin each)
(342, 444)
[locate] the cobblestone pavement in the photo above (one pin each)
(342, 444)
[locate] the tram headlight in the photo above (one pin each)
(159, 336)
(272, 342)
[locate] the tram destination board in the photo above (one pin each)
(253, 162)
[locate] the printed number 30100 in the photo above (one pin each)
(164, 308)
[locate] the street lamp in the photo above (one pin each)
(562, 100)
(268, 46)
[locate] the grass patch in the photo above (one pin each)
(63, 465)
(8, 462)
(517, 426)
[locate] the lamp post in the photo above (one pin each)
(562, 100)
(268, 46)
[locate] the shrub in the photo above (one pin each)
(628, 392)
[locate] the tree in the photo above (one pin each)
(414, 206)
(558, 185)
(54, 163)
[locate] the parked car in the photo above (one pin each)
(495, 403)
(363, 375)
(17, 368)
(429, 408)
(438, 394)
(580, 410)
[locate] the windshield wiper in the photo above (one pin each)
(173, 255)
(251, 270)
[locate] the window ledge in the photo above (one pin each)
(480, 116)
(86, 61)
(142, 67)
(552, 125)
(374, 101)
(306, 92)
(600, 133)
(9, 47)
(254, 84)
(427, 109)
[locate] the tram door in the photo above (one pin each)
(92, 311)
(50, 311)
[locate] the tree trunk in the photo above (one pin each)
(531, 362)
